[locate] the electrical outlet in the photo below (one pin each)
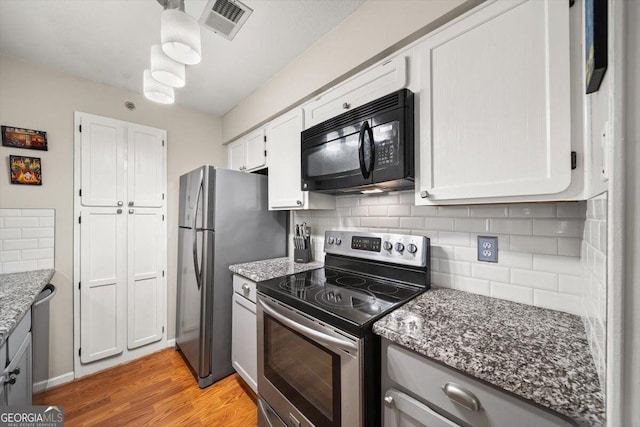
(487, 249)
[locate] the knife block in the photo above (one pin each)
(303, 255)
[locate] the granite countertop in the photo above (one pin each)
(539, 354)
(17, 292)
(259, 271)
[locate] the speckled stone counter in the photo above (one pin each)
(272, 268)
(539, 354)
(17, 292)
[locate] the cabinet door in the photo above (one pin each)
(145, 166)
(102, 293)
(401, 410)
(244, 353)
(284, 162)
(381, 80)
(145, 284)
(495, 103)
(103, 157)
(19, 372)
(237, 155)
(256, 146)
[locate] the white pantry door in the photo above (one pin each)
(145, 166)
(102, 283)
(145, 285)
(103, 156)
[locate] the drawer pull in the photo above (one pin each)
(389, 402)
(246, 288)
(462, 397)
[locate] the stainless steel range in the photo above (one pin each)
(318, 359)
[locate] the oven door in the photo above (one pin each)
(309, 373)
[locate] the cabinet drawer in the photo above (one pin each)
(404, 411)
(3, 357)
(18, 335)
(426, 378)
(244, 287)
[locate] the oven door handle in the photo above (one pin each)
(311, 333)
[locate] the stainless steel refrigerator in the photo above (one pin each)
(223, 220)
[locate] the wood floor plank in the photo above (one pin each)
(158, 390)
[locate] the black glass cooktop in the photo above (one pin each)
(343, 299)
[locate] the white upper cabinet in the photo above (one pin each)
(103, 161)
(248, 153)
(285, 193)
(145, 166)
(383, 79)
(495, 104)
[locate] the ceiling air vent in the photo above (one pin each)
(225, 17)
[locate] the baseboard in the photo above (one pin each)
(171, 343)
(53, 382)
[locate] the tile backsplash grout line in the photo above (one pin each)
(27, 239)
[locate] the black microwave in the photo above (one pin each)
(367, 149)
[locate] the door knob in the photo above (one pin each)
(246, 288)
(130, 211)
(119, 211)
(131, 203)
(389, 402)
(120, 203)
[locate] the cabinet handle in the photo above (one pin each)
(389, 402)
(246, 288)
(346, 106)
(15, 372)
(424, 194)
(119, 211)
(461, 396)
(131, 211)
(299, 202)
(131, 203)
(11, 380)
(120, 203)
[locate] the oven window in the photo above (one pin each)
(307, 374)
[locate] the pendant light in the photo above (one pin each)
(166, 70)
(156, 91)
(180, 36)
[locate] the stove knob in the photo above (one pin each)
(330, 240)
(338, 241)
(399, 247)
(387, 246)
(412, 248)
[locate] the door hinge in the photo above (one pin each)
(163, 329)
(80, 352)
(79, 285)
(265, 153)
(79, 220)
(162, 273)
(80, 192)
(163, 217)
(80, 127)
(162, 196)
(163, 142)
(264, 138)
(572, 2)
(574, 160)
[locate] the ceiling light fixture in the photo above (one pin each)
(166, 70)
(156, 91)
(179, 33)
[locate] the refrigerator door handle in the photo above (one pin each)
(196, 267)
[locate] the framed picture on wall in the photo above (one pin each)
(24, 138)
(25, 170)
(595, 41)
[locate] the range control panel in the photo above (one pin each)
(396, 248)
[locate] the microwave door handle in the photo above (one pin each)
(363, 168)
(372, 146)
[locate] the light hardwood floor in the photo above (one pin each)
(157, 390)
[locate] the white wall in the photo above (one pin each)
(44, 99)
(374, 30)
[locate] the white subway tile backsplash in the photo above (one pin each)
(424, 211)
(475, 286)
(412, 223)
(557, 264)
(490, 272)
(511, 226)
(443, 224)
(360, 211)
(378, 210)
(557, 227)
(347, 201)
(569, 246)
(399, 210)
(464, 253)
(389, 222)
(534, 244)
(447, 252)
(442, 279)
(21, 248)
(506, 291)
(556, 301)
(471, 224)
(489, 211)
(533, 210)
(459, 268)
(515, 259)
(453, 211)
(534, 279)
(453, 238)
(571, 210)
(570, 284)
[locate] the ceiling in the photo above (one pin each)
(109, 41)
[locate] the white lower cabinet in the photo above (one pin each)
(285, 184)
(244, 339)
(17, 356)
(414, 387)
